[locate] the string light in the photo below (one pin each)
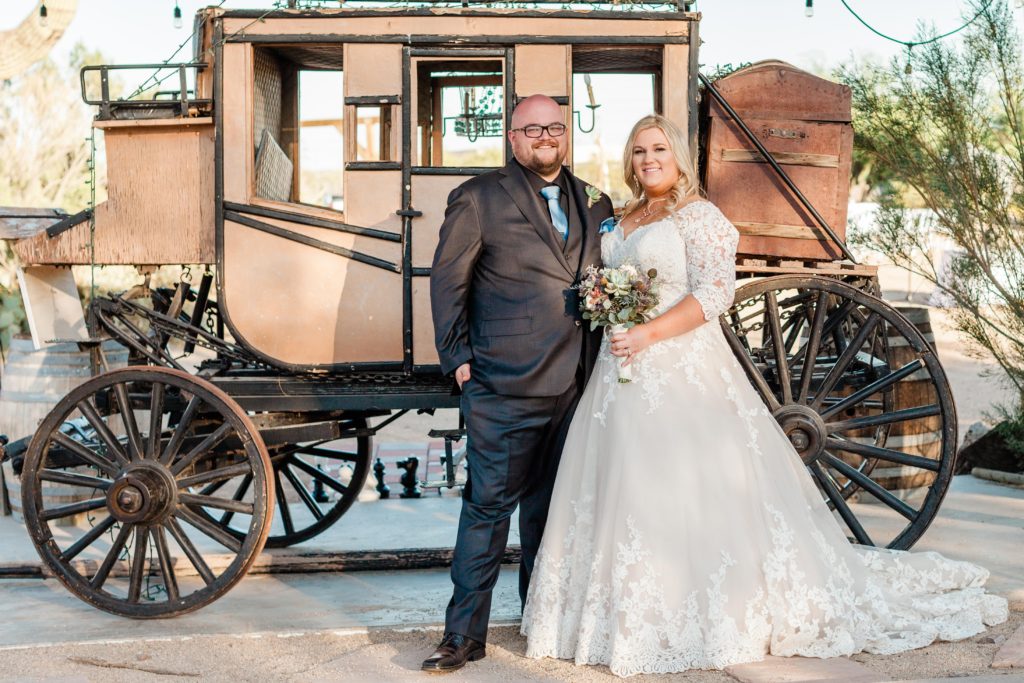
(911, 43)
(809, 9)
(44, 19)
(177, 15)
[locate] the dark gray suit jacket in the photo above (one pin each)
(500, 286)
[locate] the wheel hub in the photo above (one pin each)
(805, 429)
(144, 493)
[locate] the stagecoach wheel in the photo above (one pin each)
(148, 437)
(855, 387)
(314, 484)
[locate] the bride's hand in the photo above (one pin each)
(631, 342)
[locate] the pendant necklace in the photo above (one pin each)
(646, 211)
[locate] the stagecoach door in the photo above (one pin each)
(457, 105)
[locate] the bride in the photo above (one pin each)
(684, 532)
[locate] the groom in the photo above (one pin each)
(507, 324)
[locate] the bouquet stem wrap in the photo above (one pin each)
(625, 372)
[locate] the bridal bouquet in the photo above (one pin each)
(618, 298)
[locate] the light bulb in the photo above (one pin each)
(44, 19)
(809, 9)
(177, 16)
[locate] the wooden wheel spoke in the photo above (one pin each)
(131, 427)
(738, 322)
(303, 493)
(74, 479)
(239, 494)
(870, 486)
(166, 564)
(73, 550)
(90, 456)
(103, 431)
(844, 360)
(792, 329)
(198, 500)
(72, 509)
(779, 346)
(347, 456)
(190, 551)
(184, 425)
(221, 474)
(869, 451)
(878, 385)
(156, 414)
(282, 503)
(813, 346)
(112, 556)
(138, 570)
(202, 448)
(842, 508)
(748, 366)
(324, 478)
(210, 489)
(209, 528)
(901, 415)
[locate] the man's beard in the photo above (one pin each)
(537, 165)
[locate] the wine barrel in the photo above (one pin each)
(922, 436)
(32, 383)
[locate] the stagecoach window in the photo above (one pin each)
(460, 113)
(372, 139)
(321, 138)
(298, 124)
(612, 87)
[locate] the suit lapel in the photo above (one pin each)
(589, 230)
(518, 187)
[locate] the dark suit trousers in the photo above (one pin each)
(514, 444)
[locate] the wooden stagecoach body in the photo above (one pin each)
(337, 291)
(320, 322)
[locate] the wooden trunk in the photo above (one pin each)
(804, 122)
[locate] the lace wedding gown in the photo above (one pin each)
(685, 533)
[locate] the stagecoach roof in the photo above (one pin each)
(622, 10)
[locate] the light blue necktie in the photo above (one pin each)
(558, 219)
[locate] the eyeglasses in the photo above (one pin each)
(555, 130)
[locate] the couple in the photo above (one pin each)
(683, 532)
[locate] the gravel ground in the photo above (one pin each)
(389, 655)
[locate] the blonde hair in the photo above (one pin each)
(687, 185)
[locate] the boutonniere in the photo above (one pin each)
(593, 195)
(607, 225)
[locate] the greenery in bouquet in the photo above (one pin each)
(617, 296)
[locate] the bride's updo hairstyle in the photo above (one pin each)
(686, 186)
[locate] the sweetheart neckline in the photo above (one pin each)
(625, 238)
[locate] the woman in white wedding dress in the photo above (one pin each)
(684, 531)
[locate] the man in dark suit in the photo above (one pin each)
(513, 243)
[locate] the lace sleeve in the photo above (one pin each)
(711, 258)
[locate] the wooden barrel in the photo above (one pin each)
(922, 436)
(32, 383)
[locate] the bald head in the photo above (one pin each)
(535, 109)
(543, 155)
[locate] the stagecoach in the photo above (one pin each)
(245, 416)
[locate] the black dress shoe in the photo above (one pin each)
(453, 653)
